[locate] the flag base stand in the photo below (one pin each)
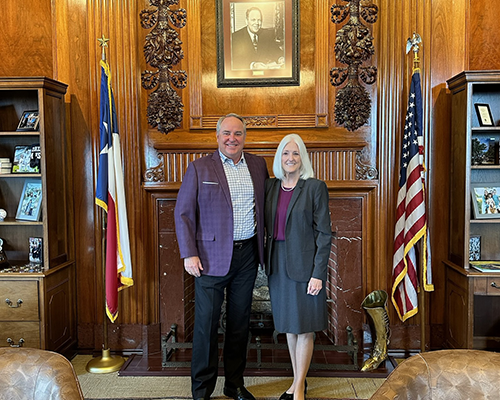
(105, 363)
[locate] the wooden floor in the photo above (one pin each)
(273, 361)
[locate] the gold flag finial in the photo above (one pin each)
(414, 44)
(103, 42)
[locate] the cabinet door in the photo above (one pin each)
(458, 321)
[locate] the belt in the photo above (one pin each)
(238, 244)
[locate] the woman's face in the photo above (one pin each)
(290, 158)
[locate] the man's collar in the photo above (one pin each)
(226, 159)
(252, 33)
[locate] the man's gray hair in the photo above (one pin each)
(219, 122)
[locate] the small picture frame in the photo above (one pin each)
(474, 248)
(484, 151)
(29, 121)
(36, 250)
(485, 200)
(30, 203)
(484, 114)
(26, 159)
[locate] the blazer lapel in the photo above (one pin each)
(221, 175)
(295, 196)
(274, 204)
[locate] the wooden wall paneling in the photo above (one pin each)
(270, 107)
(71, 64)
(483, 35)
(194, 65)
(389, 55)
(447, 56)
(26, 41)
(396, 24)
(321, 62)
(110, 18)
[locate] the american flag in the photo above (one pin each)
(411, 221)
(110, 196)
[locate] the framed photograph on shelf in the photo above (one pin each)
(474, 248)
(35, 250)
(484, 114)
(29, 121)
(26, 159)
(30, 204)
(257, 43)
(485, 200)
(484, 151)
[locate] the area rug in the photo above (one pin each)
(188, 398)
(113, 387)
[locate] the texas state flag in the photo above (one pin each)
(110, 195)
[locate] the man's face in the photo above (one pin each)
(254, 21)
(231, 138)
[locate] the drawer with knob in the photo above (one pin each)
(19, 334)
(19, 300)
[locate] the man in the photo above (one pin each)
(253, 47)
(219, 219)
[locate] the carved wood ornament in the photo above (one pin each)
(162, 50)
(353, 46)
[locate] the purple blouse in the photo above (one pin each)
(280, 221)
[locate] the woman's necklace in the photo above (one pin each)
(287, 189)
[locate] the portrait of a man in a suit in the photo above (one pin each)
(255, 47)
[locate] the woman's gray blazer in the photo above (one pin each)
(308, 229)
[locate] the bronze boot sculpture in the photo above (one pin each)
(375, 305)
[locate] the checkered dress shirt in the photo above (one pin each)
(242, 197)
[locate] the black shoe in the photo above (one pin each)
(240, 393)
(286, 396)
(289, 396)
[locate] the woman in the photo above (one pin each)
(297, 221)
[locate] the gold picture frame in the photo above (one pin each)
(257, 50)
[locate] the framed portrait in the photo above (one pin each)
(26, 159)
(485, 200)
(29, 121)
(484, 114)
(30, 203)
(257, 43)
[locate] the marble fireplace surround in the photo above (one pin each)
(352, 201)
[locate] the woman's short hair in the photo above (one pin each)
(219, 122)
(306, 170)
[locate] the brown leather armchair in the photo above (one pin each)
(37, 374)
(444, 374)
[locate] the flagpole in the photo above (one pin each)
(414, 43)
(106, 363)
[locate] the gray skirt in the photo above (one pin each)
(294, 311)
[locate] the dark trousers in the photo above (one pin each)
(209, 296)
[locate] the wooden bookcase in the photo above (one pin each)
(472, 315)
(37, 309)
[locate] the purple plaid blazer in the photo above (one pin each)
(204, 215)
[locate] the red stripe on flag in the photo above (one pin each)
(111, 260)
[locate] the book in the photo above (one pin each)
(486, 266)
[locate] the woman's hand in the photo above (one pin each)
(314, 286)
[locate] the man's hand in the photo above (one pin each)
(192, 265)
